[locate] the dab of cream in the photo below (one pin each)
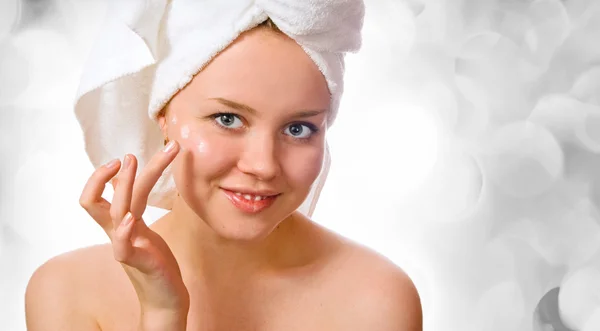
(201, 146)
(174, 119)
(185, 132)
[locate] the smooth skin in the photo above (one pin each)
(206, 265)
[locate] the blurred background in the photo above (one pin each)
(467, 145)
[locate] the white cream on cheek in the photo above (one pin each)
(202, 146)
(174, 119)
(185, 132)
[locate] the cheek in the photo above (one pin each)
(303, 168)
(193, 140)
(206, 149)
(202, 145)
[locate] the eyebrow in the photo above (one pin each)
(252, 111)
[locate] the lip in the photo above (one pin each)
(249, 206)
(263, 193)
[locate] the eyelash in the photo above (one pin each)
(311, 126)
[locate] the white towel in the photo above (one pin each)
(147, 50)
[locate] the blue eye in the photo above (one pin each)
(229, 121)
(300, 131)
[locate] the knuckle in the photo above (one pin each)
(98, 170)
(98, 174)
(84, 203)
(120, 256)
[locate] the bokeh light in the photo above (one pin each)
(10, 14)
(580, 296)
(524, 159)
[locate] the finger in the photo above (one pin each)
(114, 182)
(91, 197)
(121, 240)
(121, 203)
(125, 251)
(150, 175)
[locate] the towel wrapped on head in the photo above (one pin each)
(148, 50)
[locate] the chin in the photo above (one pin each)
(242, 229)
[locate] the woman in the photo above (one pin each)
(245, 141)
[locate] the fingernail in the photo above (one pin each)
(112, 163)
(169, 147)
(126, 161)
(128, 219)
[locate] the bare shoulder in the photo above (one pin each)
(370, 291)
(61, 293)
(385, 296)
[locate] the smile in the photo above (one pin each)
(249, 203)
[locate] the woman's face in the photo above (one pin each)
(254, 123)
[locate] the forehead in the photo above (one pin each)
(265, 70)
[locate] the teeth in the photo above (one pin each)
(250, 197)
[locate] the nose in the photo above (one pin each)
(259, 157)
